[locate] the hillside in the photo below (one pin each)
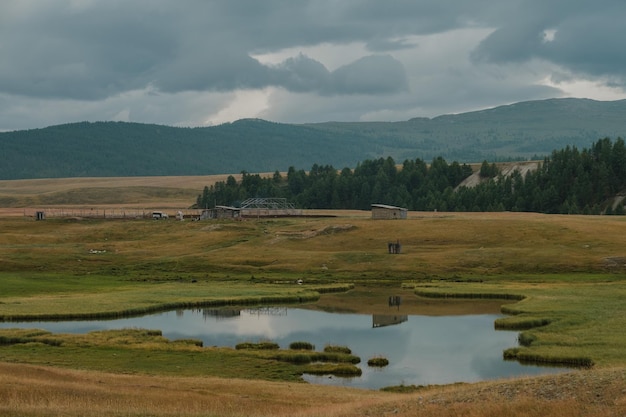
(114, 149)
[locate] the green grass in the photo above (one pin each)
(139, 351)
(378, 362)
(257, 346)
(561, 276)
(300, 345)
(341, 370)
(337, 349)
(576, 320)
(125, 298)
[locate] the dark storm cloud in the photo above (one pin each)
(583, 37)
(57, 51)
(375, 74)
(97, 49)
(105, 48)
(441, 55)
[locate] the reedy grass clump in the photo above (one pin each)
(257, 346)
(301, 346)
(309, 356)
(38, 337)
(337, 349)
(520, 323)
(341, 369)
(524, 355)
(378, 362)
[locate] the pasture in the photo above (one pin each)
(564, 277)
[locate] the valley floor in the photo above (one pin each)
(35, 390)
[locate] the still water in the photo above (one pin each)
(421, 350)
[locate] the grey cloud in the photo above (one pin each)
(103, 49)
(57, 51)
(588, 37)
(211, 71)
(98, 51)
(385, 45)
(373, 74)
(513, 43)
(302, 74)
(591, 45)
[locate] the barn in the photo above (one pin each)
(383, 211)
(220, 212)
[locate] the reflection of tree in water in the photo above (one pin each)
(267, 311)
(226, 313)
(220, 313)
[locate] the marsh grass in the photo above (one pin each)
(552, 270)
(300, 345)
(143, 351)
(312, 356)
(378, 362)
(337, 349)
(572, 321)
(341, 369)
(257, 346)
(112, 298)
(566, 271)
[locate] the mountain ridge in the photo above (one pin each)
(517, 131)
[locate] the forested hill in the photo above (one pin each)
(519, 131)
(569, 181)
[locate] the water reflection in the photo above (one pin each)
(381, 320)
(421, 349)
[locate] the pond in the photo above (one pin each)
(421, 349)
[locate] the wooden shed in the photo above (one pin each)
(383, 211)
(227, 212)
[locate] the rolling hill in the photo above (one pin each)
(113, 149)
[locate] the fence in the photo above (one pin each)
(101, 213)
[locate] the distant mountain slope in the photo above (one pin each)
(106, 149)
(519, 130)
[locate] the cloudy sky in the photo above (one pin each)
(206, 62)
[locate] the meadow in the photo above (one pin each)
(560, 280)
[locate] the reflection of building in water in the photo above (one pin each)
(220, 313)
(267, 311)
(381, 320)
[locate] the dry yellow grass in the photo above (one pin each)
(34, 391)
(485, 244)
(52, 185)
(19, 197)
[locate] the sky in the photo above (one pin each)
(195, 63)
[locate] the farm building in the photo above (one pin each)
(253, 207)
(268, 207)
(383, 211)
(221, 212)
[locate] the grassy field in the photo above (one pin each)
(117, 192)
(560, 279)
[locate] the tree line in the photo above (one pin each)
(569, 181)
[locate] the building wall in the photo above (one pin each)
(388, 213)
